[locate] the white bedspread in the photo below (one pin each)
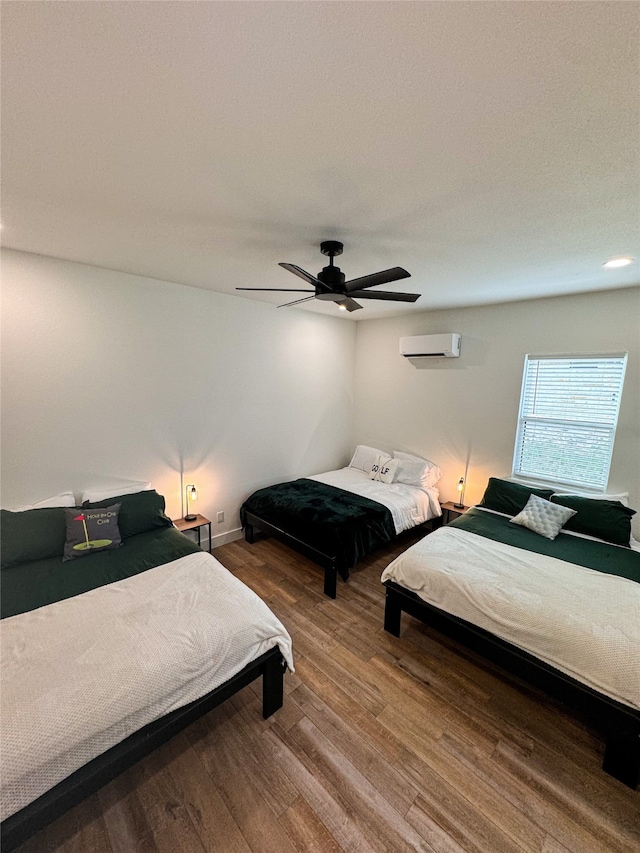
(81, 675)
(408, 505)
(583, 622)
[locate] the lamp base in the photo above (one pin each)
(190, 517)
(457, 506)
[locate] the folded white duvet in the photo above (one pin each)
(583, 622)
(81, 675)
(408, 505)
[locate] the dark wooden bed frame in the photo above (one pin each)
(332, 565)
(619, 723)
(102, 769)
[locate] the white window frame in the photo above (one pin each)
(523, 418)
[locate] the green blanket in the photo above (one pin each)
(336, 522)
(610, 559)
(31, 585)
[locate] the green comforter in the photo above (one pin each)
(31, 585)
(335, 522)
(610, 559)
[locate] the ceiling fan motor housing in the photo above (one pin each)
(334, 278)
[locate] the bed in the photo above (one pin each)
(337, 517)
(563, 614)
(107, 656)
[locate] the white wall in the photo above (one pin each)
(462, 412)
(108, 376)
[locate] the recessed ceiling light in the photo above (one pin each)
(614, 263)
(342, 307)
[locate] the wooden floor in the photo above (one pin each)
(383, 744)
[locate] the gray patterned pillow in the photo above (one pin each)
(540, 516)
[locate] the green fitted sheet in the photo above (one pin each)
(610, 559)
(31, 585)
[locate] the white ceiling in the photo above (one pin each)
(491, 149)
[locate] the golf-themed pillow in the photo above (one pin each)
(91, 530)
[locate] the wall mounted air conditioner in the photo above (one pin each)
(431, 346)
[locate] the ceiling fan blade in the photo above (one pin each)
(348, 304)
(383, 277)
(278, 289)
(295, 302)
(311, 279)
(385, 294)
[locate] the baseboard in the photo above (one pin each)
(216, 541)
(223, 538)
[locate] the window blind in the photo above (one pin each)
(568, 414)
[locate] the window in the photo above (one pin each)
(567, 423)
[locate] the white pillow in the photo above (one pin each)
(114, 491)
(623, 497)
(63, 499)
(430, 473)
(383, 468)
(410, 473)
(364, 458)
(543, 517)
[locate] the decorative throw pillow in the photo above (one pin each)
(90, 530)
(383, 468)
(364, 457)
(543, 517)
(509, 498)
(605, 519)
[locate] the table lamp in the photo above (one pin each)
(192, 494)
(460, 504)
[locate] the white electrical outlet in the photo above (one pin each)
(220, 517)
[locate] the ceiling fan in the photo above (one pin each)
(330, 285)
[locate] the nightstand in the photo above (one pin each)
(198, 522)
(450, 511)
